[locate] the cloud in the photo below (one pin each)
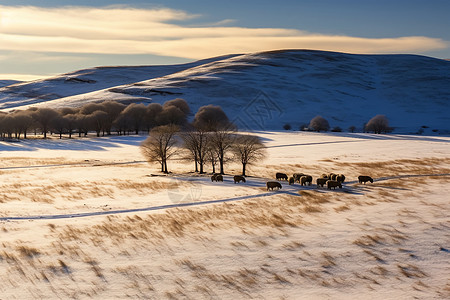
(127, 30)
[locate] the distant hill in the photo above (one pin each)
(266, 90)
(4, 83)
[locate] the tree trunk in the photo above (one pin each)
(243, 169)
(221, 164)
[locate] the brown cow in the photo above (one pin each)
(281, 176)
(273, 184)
(291, 180)
(306, 179)
(333, 184)
(238, 178)
(364, 179)
(340, 178)
(217, 177)
(321, 181)
(297, 177)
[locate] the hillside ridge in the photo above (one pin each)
(265, 90)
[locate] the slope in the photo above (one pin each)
(266, 90)
(83, 81)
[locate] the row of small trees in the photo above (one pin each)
(102, 118)
(210, 138)
(378, 124)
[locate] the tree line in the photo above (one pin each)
(102, 118)
(209, 139)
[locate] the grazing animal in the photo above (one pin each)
(297, 177)
(333, 176)
(238, 178)
(306, 179)
(333, 184)
(340, 178)
(217, 177)
(273, 184)
(325, 176)
(291, 180)
(281, 176)
(321, 181)
(364, 179)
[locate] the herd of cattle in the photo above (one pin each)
(330, 180)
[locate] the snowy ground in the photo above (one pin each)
(85, 218)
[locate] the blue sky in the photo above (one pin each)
(42, 38)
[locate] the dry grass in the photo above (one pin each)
(76, 191)
(265, 250)
(398, 167)
(29, 252)
(32, 162)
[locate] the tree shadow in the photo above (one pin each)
(83, 144)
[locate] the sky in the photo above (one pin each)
(39, 39)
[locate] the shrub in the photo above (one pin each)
(210, 117)
(287, 126)
(319, 123)
(303, 127)
(378, 124)
(336, 129)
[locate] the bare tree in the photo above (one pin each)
(159, 146)
(181, 104)
(319, 123)
(378, 124)
(196, 142)
(8, 125)
(211, 156)
(136, 113)
(123, 124)
(171, 115)
(24, 121)
(90, 108)
(82, 124)
(248, 149)
(58, 125)
(113, 109)
(222, 139)
(151, 115)
(210, 116)
(43, 117)
(97, 120)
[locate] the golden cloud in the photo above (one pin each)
(125, 30)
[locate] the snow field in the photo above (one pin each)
(385, 240)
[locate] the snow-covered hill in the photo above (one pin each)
(266, 90)
(4, 83)
(83, 81)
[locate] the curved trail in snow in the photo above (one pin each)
(81, 164)
(151, 208)
(189, 204)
